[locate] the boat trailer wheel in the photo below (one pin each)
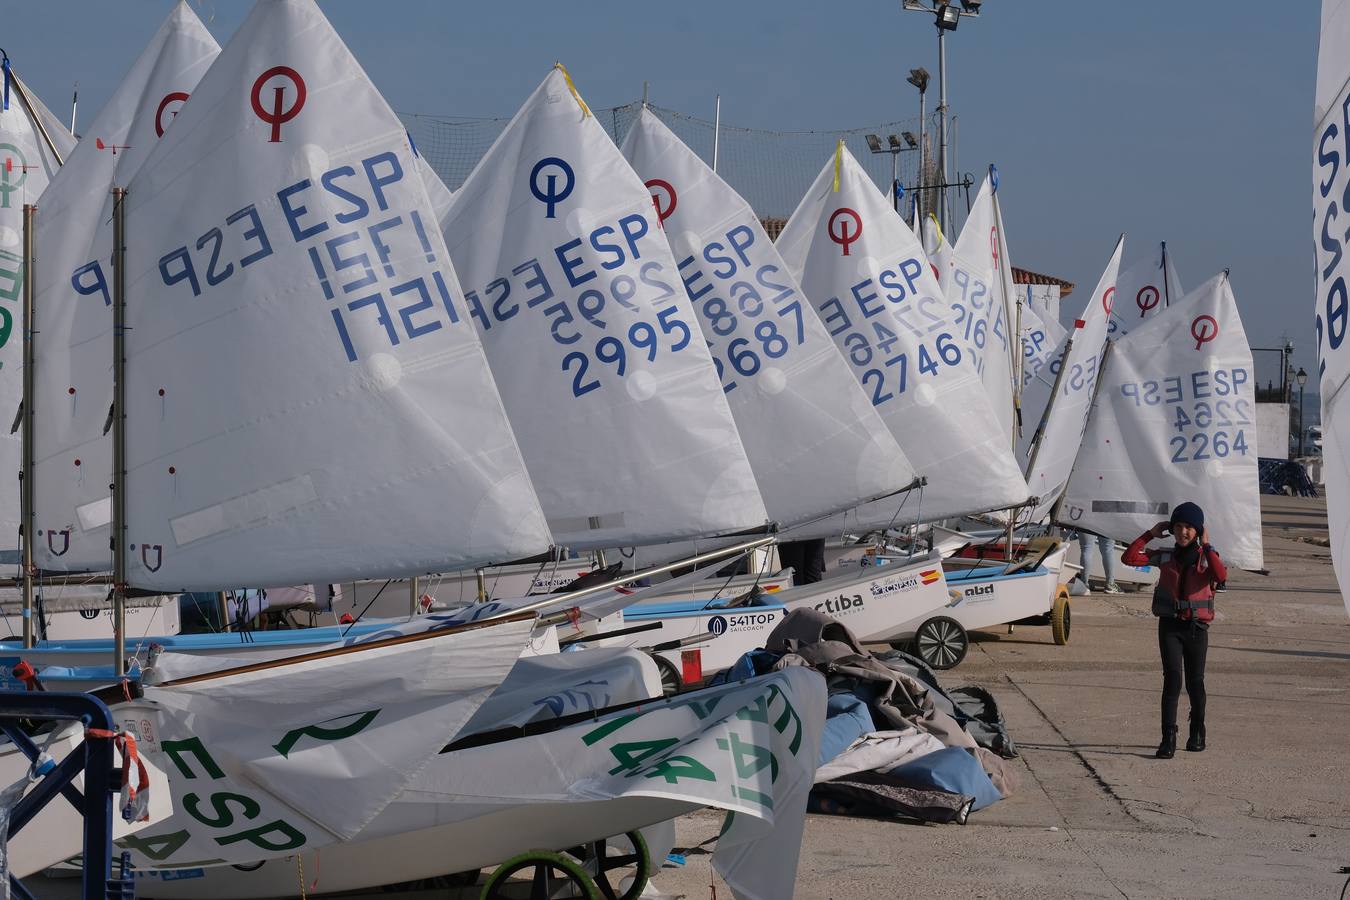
(941, 642)
(609, 868)
(547, 875)
(671, 679)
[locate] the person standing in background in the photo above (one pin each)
(1108, 550)
(1183, 601)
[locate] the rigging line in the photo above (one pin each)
(386, 584)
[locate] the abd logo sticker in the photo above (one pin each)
(717, 625)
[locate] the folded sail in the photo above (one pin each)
(73, 358)
(876, 294)
(592, 338)
(1175, 421)
(1331, 179)
(1061, 394)
(33, 145)
(814, 441)
(307, 398)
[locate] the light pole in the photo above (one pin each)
(919, 78)
(946, 16)
(894, 148)
(1302, 378)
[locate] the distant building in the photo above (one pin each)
(1046, 291)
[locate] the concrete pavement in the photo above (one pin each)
(1263, 813)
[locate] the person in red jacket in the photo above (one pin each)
(1183, 601)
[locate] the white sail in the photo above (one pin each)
(307, 398)
(592, 339)
(1331, 178)
(875, 292)
(939, 252)
(1040, 336)
(1175, 420)
(1145, 287)
(72, 377)
(814, 441)
(28, 162)
(1067, 397)
(975, 292)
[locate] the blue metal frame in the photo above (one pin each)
(93, 759)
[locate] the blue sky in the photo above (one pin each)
(1189, 122)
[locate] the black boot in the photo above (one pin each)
(1168, 748)
(1196, 744)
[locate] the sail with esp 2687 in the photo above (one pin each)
(813, 439)
(876, 294)
(307, 398)
(72, 375)
(592, 339)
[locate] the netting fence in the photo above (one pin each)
(770, 169)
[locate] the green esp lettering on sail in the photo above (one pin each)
(326, 730)
(157, 846)
(174, 750)
(749, 758)
(11, 277)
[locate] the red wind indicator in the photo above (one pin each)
(98, 144)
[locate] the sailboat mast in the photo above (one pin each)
(1015, 349)
(1167, 298)
(37, 120)
(1096, 392)
(119, 485)
(1045, 415)
(26, 466)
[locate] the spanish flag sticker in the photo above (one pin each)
(930, 576)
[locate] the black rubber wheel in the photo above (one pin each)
(1061, 617)
(547, 875)
(671, 680)
(941, 642)
(608, 869)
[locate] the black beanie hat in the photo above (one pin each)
(1189, 514)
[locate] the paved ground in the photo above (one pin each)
(1263, 813)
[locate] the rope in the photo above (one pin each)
(135, 799)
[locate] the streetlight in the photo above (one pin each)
(894, 148)
(946, 16)
(1302, 378)
(919, 78)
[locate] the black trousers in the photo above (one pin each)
(1182, 646)
(807, 559)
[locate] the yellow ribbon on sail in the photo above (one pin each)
(585, 110)
(838, 162)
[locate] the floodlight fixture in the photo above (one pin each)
(874, 143)
(971, 7)
(910, 139)
(948, 17)
(918, 78)
(894, 142)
